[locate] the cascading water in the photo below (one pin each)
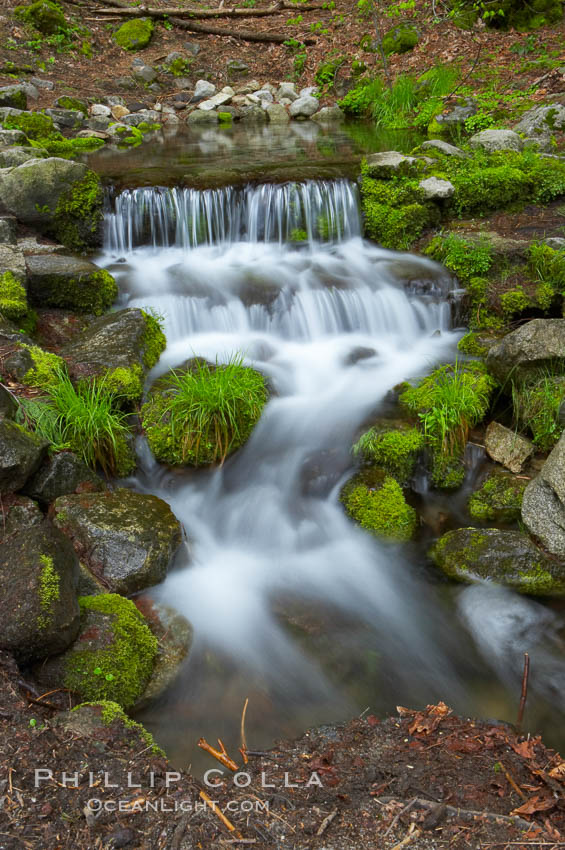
(293, 605)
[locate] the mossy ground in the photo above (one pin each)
(119, 672)
(78, 222)
(499, 499)
(396, 450)
(135, 34)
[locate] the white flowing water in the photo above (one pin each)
(334, 323)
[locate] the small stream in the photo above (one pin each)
(292, 605)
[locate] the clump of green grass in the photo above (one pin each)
(395, 450)
(83, 419)
(536, 406)
(198, 416)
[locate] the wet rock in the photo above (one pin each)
(507, 448)
(19, 513)
(59, 475)
(329, 115)
(123, 346)
(497, 140)
(38, 574)
(204, 89)
(536, 344)
(435, 189)
(445, 148)
(505, 557)
(13, 96)
(8, 404)
(21, 454)
(72, 283)
(388, 163)
(277, 113)
(499, 498)
(125, 539)
(304, 107)
(543, 506)
(174, 634)
(69, 118)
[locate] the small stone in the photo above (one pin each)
(100, 109)
(192, 47)
(200, 116)
(92, 134)
(236, 68)
(119, 111)
(144, 116)
(47, 85)
(497, 140)
(114, 100)
(310, 91)
(263, 95)
(204, 90)
(445, 148)
(507, 448)
(435, 189)
(145, 74)
(182, 83)
(99, 123)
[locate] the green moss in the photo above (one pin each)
(66, 102)
(447, 470)
(145, 127)
(298, 235)
(395, 451)
(111, 712)
(135, 34)
(514, 302)
(18, 99)
(126, 383)
(48, 590)
(154, 340)
(119, 672)
(499, 499)
(45, 369)
(78, 222)
(536, 403)
(401, 39)
(225, 117)
(537, 581)
(37, 126)
(180, 67)
(13, 298)
(45, 16)
(467, 259)
(67, 148)
(470, 344)
(384, 511)
(89, 293)
(547, 267)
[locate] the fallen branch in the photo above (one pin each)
(326, 822)
(153, 12)
(219, 814)
(524, 694)
(244, 35)
(220, 754)
(462, 814)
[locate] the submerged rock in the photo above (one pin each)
(536, 344)
(543, 507)
(39, 575)
(507, 447)
(127, 540)
(506, 557)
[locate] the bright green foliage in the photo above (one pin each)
(536, 406)
(499, 499)
(13, 300)
(515, 301)
(225, 117)
(84, 419)
(394, 210)
(199, 416)
(67, 102)
(470, 344)
(395, 451)
(45, 370)
(120, 672)
(464, 258)
(401, 39)
(36, 126)
(67, 148)
(382, 511)
(134, 34)
(45, 16)
(179, 67)
(548, 268)
(112, 712)
(298, 235)
(78, 220)
(48, 590)
(326, 72)
(125, 383)
(504, 14)
(154, 340)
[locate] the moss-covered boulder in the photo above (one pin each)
(499, 498)
(38, 575)
(543, 505)
(200, 414)
(393, 445)
(126, 540)
(61, 198)
(20, 455)
(44, 15)
(505, 557)
(135, 34)
(112, 657)
(121, 347)
(59, 475)
(14, 96)
(400, 39)
(75, 103)
(32, 366)
(70, 283)
(376, 502)
(12, 157)
(106, 723)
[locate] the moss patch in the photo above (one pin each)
(118, 672)
(46, 367)
(395, 451)
(499, 499)
(400, 39)
(154, 340)
(381, 509)
(135, 34)
(48, 590)
(44, 15)
(78, 220)
(13, 299)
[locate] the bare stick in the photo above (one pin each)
(243, 748)
(326, 822)
(524, 694)
(403, 811)
(220, 754)
(209, 802)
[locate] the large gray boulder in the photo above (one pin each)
(543, 505)
(122, 346)
(125, 539)
(61, 197)
(496, 140)
(39, 576)
(542, 119)
(12, 157)
(539, 343)
(505, 557)
(304, 107)
(20, 455)
(71, 283)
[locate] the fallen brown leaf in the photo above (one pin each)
(535, 804)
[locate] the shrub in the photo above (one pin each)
(85, 420)
(198, 416)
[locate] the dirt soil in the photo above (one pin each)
(424, 779)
